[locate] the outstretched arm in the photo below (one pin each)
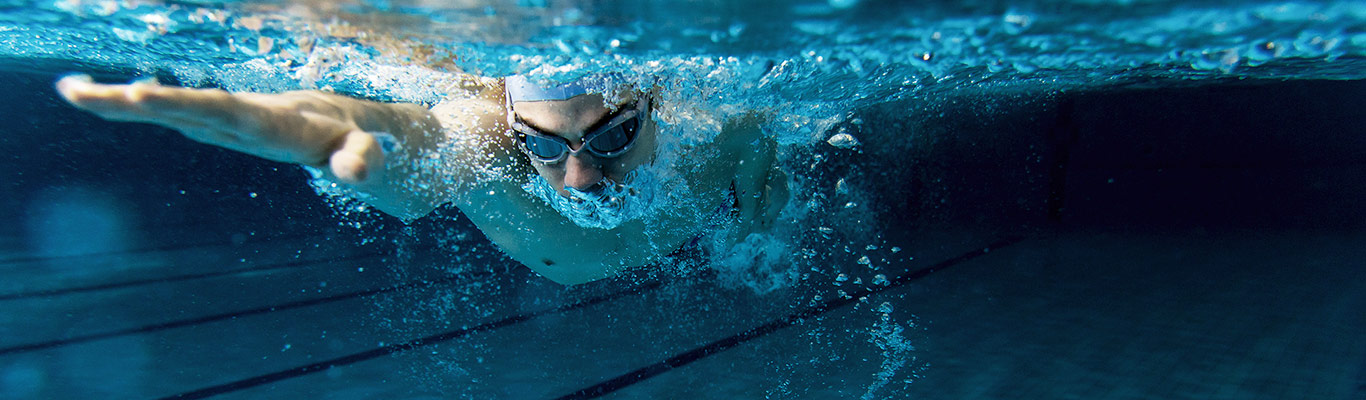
(334, 133)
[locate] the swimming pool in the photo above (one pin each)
(1135, 199)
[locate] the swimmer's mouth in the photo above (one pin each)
(601, 191)
(594, 197)
(581, 195)
(599, 199)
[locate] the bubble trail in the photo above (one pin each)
(400, 347)
(688, 357)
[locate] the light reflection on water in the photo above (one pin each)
(882, 43)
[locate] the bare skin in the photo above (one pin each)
(332, 133)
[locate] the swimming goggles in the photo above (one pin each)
(609, 139)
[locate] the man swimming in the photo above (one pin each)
(561, 178)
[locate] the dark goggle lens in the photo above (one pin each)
(616, 138)
(543, 148)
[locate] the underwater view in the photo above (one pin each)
(749, 199)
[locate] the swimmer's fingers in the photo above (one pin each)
(129, 103)
(269, 126)
(108, 101)
(140, 102)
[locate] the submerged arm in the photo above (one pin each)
(760, 185)
(335, 133)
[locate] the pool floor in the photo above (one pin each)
(1253, 314)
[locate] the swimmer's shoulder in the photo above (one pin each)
(471, 106)
(473, 123)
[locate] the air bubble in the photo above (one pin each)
(1224, 60)
(1261, 53)
(736, 29)
(843, 4)
(1313, 45)
(1016, 22)
(1025, 68)
(843, 141)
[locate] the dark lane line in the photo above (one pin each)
(164, 247)
(640, 374)
(399, 347)
(225, 316)
(179, 278)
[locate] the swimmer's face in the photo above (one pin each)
(571, 119)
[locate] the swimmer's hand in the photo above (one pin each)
(309, 128)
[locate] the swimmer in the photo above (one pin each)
(569, 201)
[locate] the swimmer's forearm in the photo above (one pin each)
(408, 121)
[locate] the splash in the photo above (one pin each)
(605, 208)
(759, 262)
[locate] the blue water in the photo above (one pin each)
(1159, 158)
(852, 53)
(808, 63)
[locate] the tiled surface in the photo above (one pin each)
(1247, 315)
(1237, 316)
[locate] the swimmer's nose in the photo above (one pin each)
(581, 172)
